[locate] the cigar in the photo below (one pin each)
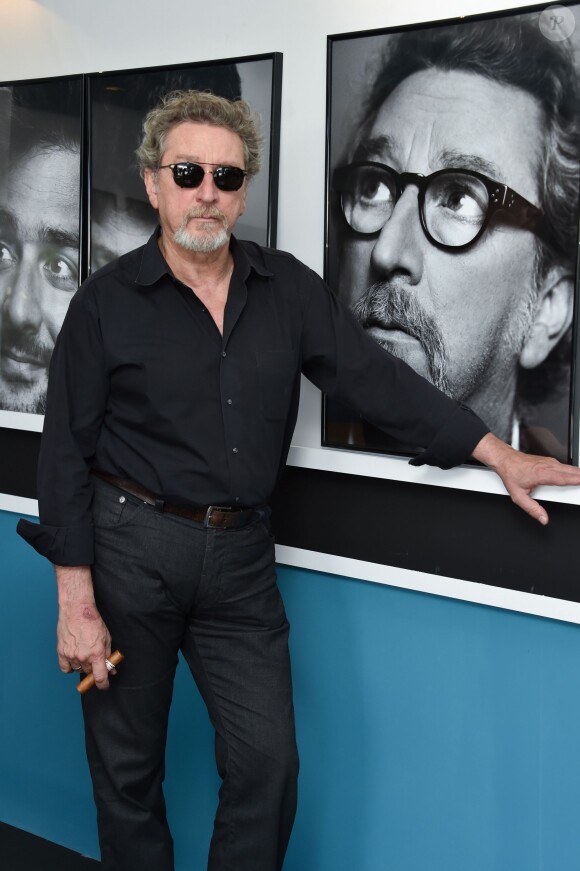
(89, 681)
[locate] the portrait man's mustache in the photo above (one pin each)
(23, 366)
(392, 308)
(28, 350)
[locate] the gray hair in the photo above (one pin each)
(205, 108)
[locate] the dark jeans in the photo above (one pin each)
(165, 584)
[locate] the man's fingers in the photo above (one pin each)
(530, 506)
(64, 664)
(97, 667)
(547, 470)
(523, 473)
(101, 674)
(561, 476)
(72, 662)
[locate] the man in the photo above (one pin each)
(39, 244)
(458, 234)
(172, 399)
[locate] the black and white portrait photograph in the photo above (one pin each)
(40, 172)
(121, 217)
(72, 200)
(452, 214)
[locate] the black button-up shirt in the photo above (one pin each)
(143, 386)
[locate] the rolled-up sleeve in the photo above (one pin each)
(76, 403)
(62, 545)
(343, 361)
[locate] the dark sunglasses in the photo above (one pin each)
(190, 175)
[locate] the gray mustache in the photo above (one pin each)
(393, 308)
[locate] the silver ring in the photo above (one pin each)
(76, 667)
(109, 665)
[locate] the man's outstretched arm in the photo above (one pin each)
(522, 473)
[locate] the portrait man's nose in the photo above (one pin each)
(22, 304)
(398, 249)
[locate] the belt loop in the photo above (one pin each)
(159, 506)
(207, 518)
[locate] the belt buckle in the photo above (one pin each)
(211, 509)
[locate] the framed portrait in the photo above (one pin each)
(40, 235)
(453, 175)
(71, 199)
(120, 216)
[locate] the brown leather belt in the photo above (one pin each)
(210, 515)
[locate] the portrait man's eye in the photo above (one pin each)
(460, 200)
(372, 189)
(7, 256)
(61, 271)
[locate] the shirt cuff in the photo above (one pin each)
(62, 545)
(454, 442)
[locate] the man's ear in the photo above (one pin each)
(150, 179)
(553, 317)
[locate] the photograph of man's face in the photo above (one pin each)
(39, 241)
(39, 235)
(453, 214)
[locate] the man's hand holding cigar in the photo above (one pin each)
(83, 640)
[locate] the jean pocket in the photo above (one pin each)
(112, 509)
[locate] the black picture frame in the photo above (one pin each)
(372, 65)
(41, 234)
(260, 82)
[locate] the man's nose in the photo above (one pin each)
(207, 191)
(401, 243)
(21, 305)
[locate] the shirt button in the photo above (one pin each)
(234, 450)
(237, 499)
(122, 499)
(224, 354)
(229, 401)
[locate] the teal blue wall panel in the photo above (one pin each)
(433, 733)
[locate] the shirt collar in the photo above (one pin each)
(153, 265)
(248, 256)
